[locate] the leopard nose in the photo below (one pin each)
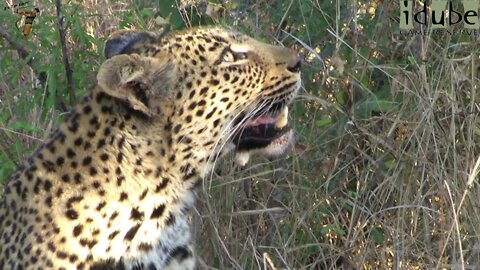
(295, 65)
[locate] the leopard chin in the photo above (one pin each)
(268, 134)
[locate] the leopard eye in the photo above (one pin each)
(228, 56)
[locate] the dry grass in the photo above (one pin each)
(397, 189)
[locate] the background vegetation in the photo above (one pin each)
(383, 173)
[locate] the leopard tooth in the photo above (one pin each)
(242, 158)
(282, 119)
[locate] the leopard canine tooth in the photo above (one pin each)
(242, 158)
(282, 119)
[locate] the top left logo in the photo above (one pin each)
(25, 22)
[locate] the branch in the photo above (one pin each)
(66, 63)
(21, 49)
(23, 52)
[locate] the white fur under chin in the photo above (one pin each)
(275, 148)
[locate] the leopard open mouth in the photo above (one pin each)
(263, 130)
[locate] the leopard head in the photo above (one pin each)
(206, 90)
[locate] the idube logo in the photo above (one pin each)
(440, 15)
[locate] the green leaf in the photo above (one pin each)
(52, 89)
(352, 194)
(390, 164)
(364, 109)
(299, 109)
(167, 9)
(312, 250)
(145, 12)
(325, 229)
(323, 122)
(378, 235)
(340, 96)
(339, 230)
(7, 168)
(329, 227)
(300, 235)
(22, 125)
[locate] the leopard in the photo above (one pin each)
(113, 187)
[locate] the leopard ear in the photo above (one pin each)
(137, 80)
(131, 41)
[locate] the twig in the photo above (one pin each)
(6, 130)
(268, 261)
(7, 152)
(23, 52)
(276, 199)
(66, 63)
(21, 49)
(254, 212)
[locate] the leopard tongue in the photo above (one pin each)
(279, 121)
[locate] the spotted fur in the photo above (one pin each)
(113, 186)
